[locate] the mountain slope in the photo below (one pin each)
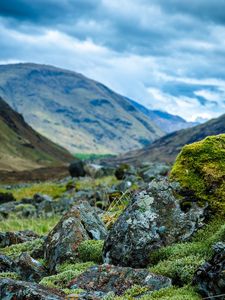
(166, 148)
(21, 148)
(74, 111)
(166, 122)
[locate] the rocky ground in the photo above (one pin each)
(145, 232)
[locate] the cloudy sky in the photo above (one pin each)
(165, 54)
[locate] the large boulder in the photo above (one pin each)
(76, 169)
(79, 224)
(153, 219)
(9, 238)
(108, 278)
(12, 289)
(210, 278)
(200, 170)
(29, 268)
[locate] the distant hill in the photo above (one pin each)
(166, 122)
(166, 148)
(22, 148)
(76, 112)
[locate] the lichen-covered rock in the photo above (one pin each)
(200, 170)
(149, 171)
(210, 277)
(81, 223)
(16, 237)
(63, 240)
(153, 219)
(108, 278)
(12, 289)
(91, 221)
(29, 269)
(6, 263)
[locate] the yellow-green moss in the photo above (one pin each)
(200, 169)
(11, 275)
(91, 250)
(16, 250)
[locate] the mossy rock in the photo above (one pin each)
(200, 170)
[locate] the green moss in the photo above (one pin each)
(11, 275)
(16, 250)
(91, 250)
(185, 293)
(67, 272)
(180, 270)
(200, 169)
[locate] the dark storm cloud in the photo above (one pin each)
(168, 51)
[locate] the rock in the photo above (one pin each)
(200, 170)
(29, 269)
(6, 197)
(25, 211)
(97, 171)
(152, 170)
(64, 239)
(210, 278)
(13, 289)
(76, 169)
(5, 263)
(91, 221)
(153, 219)
(16, 237)
(124, 170)
(108, 278)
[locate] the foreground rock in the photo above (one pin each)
(6, 263)
(16, 237)
(200, 170)
(29, 268)
(81, 223)
(108, 278)
(21, 290)
(153, 219)
(210, 278)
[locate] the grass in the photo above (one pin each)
(39, 225)
(92, 156)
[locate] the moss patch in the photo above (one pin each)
(91, 250)
(200, 169)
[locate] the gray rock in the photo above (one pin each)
(210, 278)
(13, 289)
(16, 237)
(153, 219)
(6, 263)
(108, 278)
(29, 269)
(152, 170)
(64, 239)
(76, 169)
(92, 223)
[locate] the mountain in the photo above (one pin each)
(76, 112)
(22, 148)
(166, 122)
(166, 148)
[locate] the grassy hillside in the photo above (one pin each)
(22, 148)
(78, 113)
(166, 148)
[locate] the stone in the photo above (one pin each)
(152, 219)
(13, 289)
(92, 223)
(6, 197)
(98, 171)
(210, 277)
(76, 169)
(29, 269)
(63, 240)
(152, 170)
(6, 263)
(109, 278)
(16, 237)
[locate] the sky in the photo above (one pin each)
(166, 54)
